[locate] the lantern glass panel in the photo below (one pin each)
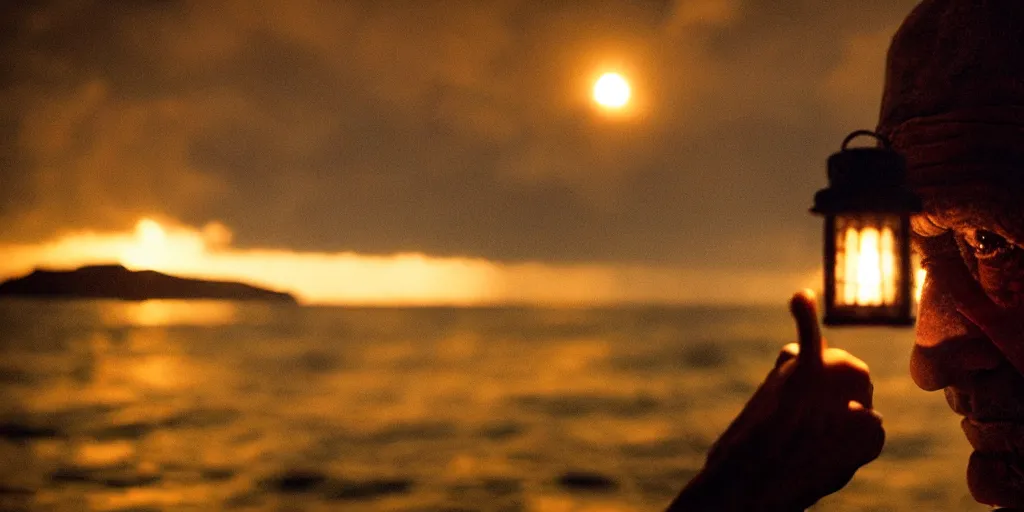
(870, 272)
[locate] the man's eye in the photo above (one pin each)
(988, 244)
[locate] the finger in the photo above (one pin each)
(865, 434)
(846, 379)
(805, 312)
(788, 352)
(1004, 329)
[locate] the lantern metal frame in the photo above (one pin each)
(868, 182)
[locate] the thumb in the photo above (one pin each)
(805, 312)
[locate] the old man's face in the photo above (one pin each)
(970, 336)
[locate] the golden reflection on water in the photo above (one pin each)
(399, 410)
(165, 313)
(135, 355)
(157, 371)
(103, 454)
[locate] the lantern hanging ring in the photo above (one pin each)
(878, 136)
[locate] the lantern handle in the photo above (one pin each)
(881, 138)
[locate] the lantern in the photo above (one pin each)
(869, 278)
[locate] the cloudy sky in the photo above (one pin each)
(450, 129)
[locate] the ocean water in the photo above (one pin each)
(166, 405)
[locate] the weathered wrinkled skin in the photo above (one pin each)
(970, 340)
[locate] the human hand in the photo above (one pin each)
(802, 435)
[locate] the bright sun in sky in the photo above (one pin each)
(612, 91)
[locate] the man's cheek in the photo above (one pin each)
(937, 317)
(1003, 285)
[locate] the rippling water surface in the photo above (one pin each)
(166, 405)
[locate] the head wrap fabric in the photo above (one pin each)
(953, 102)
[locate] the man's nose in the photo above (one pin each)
(949, 347)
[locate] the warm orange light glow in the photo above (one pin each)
(888, 256)
(869, 275)
(612, 91)
(150, 233)
(164, 313)
(156, 247)
(149, 249)
(869, 265)
(398, 279)
(851, 257)
(919, 277)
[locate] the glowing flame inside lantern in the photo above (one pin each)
(870, 272)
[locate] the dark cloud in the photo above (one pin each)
(452, 128)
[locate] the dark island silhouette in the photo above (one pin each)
(117, 282)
